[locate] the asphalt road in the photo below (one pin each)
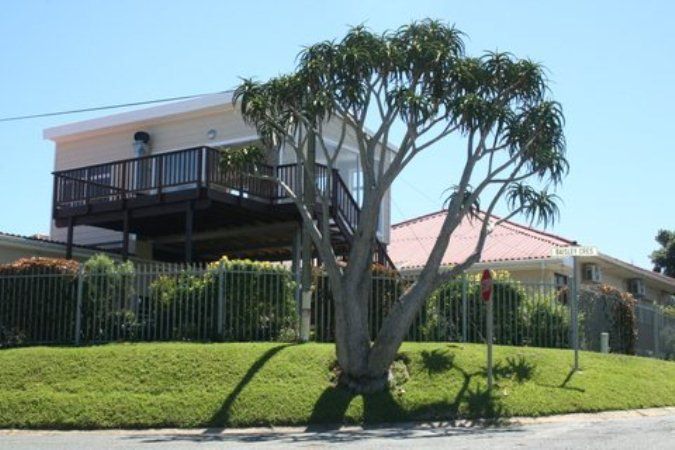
(579, 432)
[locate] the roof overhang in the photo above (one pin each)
(662, 282)
(199, 105)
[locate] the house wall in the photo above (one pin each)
(169, 135)
(619, 279)
(190, 130)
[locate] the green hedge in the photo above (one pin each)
(38, 301)
(607, 309)
(259, 302)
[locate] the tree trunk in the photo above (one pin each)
(352, 339)
(364, 365)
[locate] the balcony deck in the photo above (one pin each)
(171, 198)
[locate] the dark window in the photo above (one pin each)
(560, 280)
(561, 284)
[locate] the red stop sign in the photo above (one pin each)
(486, 285)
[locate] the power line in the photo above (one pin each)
(102, 108)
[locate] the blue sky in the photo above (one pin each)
(611, 65)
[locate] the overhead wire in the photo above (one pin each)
(103, 108)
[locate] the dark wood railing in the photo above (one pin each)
(201, 167)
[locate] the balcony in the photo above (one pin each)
(190, 191)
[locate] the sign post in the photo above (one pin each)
(486, 289)
(574, 253)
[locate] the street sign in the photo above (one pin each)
(574, 252)
(486, 285)
(562, 252)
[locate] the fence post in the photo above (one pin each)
(221, 300)
(78, 309)
(657, 322)
(465, 310)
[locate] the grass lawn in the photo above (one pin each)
(191, 385)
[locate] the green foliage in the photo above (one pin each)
(442, 317)
(669, 311)
(667, 342)
(242, 158)
(105, 314)
(420, 76)
(607, 309)
(545, 322)
(188, 385)
(23, 297)
(664, 257)
(259, 301)
(521, 316)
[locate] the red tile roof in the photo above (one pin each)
(412, 241)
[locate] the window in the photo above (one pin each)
(561, 281)
(561, 285)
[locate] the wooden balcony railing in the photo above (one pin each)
(197, 168)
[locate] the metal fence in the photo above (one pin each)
(148, 303)
(524, 314)
(655, 332)
(156, 302)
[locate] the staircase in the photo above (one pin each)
(344, 219)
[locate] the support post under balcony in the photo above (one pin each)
(125, 236)
(69, 238)
(189, 219)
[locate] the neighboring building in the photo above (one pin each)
(150, 182)
(524, 252)
(13, 247)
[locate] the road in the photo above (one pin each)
(656, 431)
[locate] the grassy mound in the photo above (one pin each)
(191, 385)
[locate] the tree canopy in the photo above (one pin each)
(414, 87)
(664, 257)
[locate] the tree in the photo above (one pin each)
(664, 258)
(416, 80)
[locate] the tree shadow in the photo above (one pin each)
(437, 360)
(564, 384)
(472, 405)
(222, 417)
(329, 412)
(483, 405)
(519, 369)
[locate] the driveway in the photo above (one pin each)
(647, 429)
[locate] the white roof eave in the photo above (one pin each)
(156, 113)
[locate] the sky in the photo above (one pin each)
(611, 65)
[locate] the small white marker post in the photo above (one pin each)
(574, 253)
(486, 293)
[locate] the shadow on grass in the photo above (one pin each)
(437, 360)
(468, 413)
(519, 369)
(470, 406)
(565, 382)
(222, 416)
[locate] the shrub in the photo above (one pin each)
(544, 321)
(37, 301)
(441, 318)
(667, 343)
(259, 301)
(608, 310)
(109, 301)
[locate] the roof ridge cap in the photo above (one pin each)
(533, 232)
(419, 218)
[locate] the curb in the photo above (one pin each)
(284, 430)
